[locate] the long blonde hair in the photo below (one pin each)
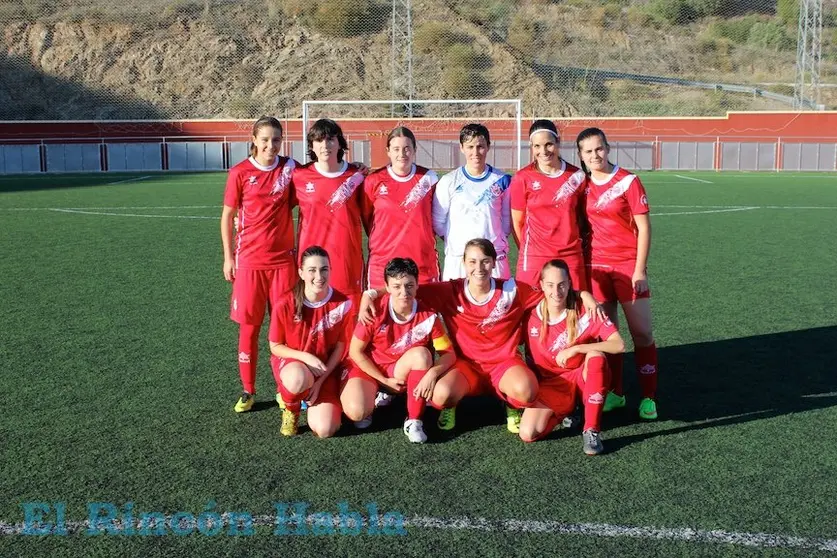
(573, 304)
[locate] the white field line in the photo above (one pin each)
(137, 179)
(705, 211)
(831, 207)
(679, 534)
(135, 214)
(695, 179)
(113, 208)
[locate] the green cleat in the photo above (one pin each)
(648, 409)
(447, 419)
(513, 417)
(245, 402)
(613, 401)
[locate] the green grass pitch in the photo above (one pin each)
(119, 375)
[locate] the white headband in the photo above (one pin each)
(543, 130)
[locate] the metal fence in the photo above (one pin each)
(189, 59)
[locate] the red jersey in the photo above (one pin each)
(589, 329)
(323, 324)
(484, 332)
(399, 222)
(389, 337)
(611, 207)
(553, 207)
(329, 216)
(263, 198)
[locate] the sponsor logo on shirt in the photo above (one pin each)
(283, 179)
(561, 342)
(344, 192)
(615, 191)
(414, 336)
(417, 193)
(309, 188)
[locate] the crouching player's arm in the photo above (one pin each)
(447, 358)
(612, 345)
(358, 355)
(318, 367)
(333, 360)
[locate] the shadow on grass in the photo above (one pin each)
(737, 380)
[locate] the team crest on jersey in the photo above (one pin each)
(383, 190)
(504, 303)
(414, 336)
(334, 317)
(562, 341)
(417, 193)
(493, 192)
(283, 179)
(344, 192)
(615, 191)
(309, 188)
(644, 200)
(536, 186)
(569, 188)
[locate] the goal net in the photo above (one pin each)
(435, 123)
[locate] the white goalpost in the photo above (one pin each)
(435, 122)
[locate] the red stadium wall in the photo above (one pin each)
(787, 127)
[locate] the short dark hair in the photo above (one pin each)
(322, 129)
(474, 130)
(400, 267)
(483, 244)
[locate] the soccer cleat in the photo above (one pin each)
(447, 419)
(414, 429)
(279, 401)
(613, 401)
(290, 423)
(382, 399)
(364, 423)
(592, 442)
(648, 409)
(245, 402)
(513, 417)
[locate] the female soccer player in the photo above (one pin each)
(308, 332)
(396, 350)
(547, 209)
(473, 202)
(398, 202)
(260, 262)
(484, 316)
(329, 191)
(617, 210)
(566, 345)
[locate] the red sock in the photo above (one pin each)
(645, 359)
(415, 405)
(614, 363)
(293, 401)
(248, 355)
(593, 392)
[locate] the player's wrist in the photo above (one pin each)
(371, 293)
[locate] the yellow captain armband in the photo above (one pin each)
(442, 344)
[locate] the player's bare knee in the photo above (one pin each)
(443, 396)
(526, 393)
(528, 433)
(355, 410)
(420, 358)
(326, 430)
(294, 381)
(642, 338)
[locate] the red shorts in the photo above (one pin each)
(532, 273)
(485, 379)
(329, 391)
(254, 289)
(352, 371)
(612, 283)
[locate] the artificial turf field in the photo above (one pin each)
(119, 375)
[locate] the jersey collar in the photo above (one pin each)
(472, 300)
(402, 178)
(320, 303)
(395, 317)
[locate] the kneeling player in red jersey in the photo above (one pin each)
(395, 349)
(484, 316)
(308, 332)
(567, 346)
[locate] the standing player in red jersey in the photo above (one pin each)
(398, 202)
(484, 316)
(309, 328)
(566, 345)
(620, 229)
(395, 350)
(259, 261)
(329, 192)
(547, 209)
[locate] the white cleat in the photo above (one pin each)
(364, 424)
(383, 399)
(414, 429)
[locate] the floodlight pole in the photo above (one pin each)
(806, 92)
(402, 55)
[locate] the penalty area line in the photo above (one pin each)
(705, 212)
(695, 179)
(153, 216)
(137, 179)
